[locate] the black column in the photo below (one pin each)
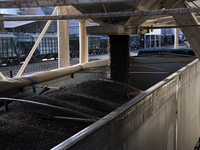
(119, 57)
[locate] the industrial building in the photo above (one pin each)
(145, 102)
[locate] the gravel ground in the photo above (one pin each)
(24, 125)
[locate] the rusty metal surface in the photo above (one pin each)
(120, 12)
(109, 8)
(41, 3)
(105, 15)
(106, 6)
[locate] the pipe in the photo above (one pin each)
(68, 118)
(42, 3)
(35, 45)
(51, 106)
(107, 15)
(20, 82)
(167, 27)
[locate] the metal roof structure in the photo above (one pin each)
(167, 20)
(118, 7)
(14, 24)
(31, 11)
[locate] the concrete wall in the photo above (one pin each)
(166, 116)
(188, 98)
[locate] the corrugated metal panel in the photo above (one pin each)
(31, 28)
(52, 28)
(46, 35)
(31, 11)
(109, 7)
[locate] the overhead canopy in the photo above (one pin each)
(41, 3)
(111, 6)
(166, 20)
(138, 5)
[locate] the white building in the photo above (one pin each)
(9, 11)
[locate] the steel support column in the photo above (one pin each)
(63, 39)
(119, 57)
(176, 38)
(191, 34)
(83, 42)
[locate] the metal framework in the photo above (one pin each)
(42, 3)
(35, 45)
(48, 105)
(167, 27)
(106, 15)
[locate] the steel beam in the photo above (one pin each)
(170, 26)
(115, 30)
(42, 3)
(35, 45)
(106, 15)
(192, 34)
